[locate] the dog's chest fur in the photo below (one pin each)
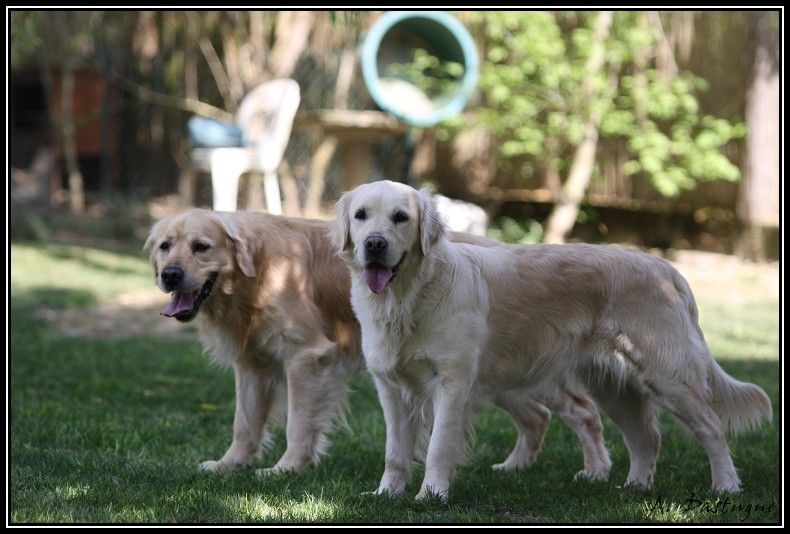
(387, 322)
(230, 339)
(396, 348)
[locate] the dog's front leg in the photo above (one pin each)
(317, 383)
(255, 393)
(402, 429)
(446, 446)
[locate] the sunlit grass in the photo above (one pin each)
(62, 276)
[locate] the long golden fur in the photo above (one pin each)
(272, 301)
(278, 314)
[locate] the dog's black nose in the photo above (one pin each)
(171, 277)
(375, 243)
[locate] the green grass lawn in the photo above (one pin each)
(111, 429)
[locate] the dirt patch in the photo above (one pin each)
(131, 315)
(723, 278)
(713, 277)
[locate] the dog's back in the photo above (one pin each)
(594, 305)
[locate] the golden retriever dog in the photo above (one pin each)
(272, 300)
(446, 326)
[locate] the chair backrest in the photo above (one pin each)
(266, 116)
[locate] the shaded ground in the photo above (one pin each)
(717, 278)
(130, 315)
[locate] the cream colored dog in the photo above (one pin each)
(272, 301)
(446, 326)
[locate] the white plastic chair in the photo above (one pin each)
(266, 117)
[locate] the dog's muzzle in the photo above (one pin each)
(376, 248)
(184, 305)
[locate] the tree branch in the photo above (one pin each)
(217, 70)
(187, 104)
(666, 57)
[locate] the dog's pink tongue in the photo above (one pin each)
(377, 277)
(179, 303)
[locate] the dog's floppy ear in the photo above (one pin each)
(431, 225)
(150, 241)
(339, 230)
(152, 235)
(241, 245)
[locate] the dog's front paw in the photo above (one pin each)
(217, 466)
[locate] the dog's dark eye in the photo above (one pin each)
(164, 246)
(361, 215)
(201, 247)
(399, 217)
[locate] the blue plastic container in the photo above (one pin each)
(392, 39)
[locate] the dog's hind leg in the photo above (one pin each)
(531, 420)
(317, 387)
(705, 424)
(634, 415)
(255, 394)
(581, 415)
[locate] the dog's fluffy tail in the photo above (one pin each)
(740, 405)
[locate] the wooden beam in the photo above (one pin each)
(345, 122)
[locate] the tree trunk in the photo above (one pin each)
(291, 35)
(68, 138)
(563, 216)
(47, 79)
(236, 74)
(190, 56)
(758, 201)
(565, 211)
